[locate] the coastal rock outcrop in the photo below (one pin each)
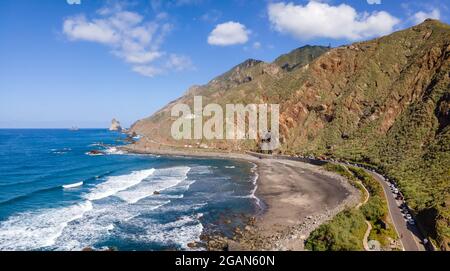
(115, 125)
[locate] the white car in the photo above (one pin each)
(408, 216)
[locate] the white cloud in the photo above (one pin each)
(257, 45)
(421, 16)
(374, 2)
(129, 37)
(139, 57)
(78, 28)
(211, 16)
(172, 63)
(179, 63)
(147, 70)
(161, 4)
(74, 2)
(229, 33)
(179, 3)
(321, 20)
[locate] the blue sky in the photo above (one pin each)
(84, 63)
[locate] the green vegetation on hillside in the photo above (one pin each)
(300, 57)
(346, 230)
(376, 208)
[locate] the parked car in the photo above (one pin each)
(408, 216)
(411, 222)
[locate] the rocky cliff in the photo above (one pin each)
(383, 102)
(115, 125)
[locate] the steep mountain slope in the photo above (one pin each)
(384, 102)
(300, 57)
(244, 83)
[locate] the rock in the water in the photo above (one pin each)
(192, 245)
(95, 153)
(115, 125)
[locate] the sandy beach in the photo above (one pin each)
(298, 198)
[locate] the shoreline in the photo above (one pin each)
(296, 199)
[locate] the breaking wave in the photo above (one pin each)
(116, 184)
(82, 225)
(74, 185)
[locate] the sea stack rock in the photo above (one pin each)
(115, 125)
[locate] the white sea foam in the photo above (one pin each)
(162, 180)
(157, 206)
(203, 170)
(102, 222)
(140, 185)
(181, 232)
(83, 225)
(185, 185)
(185, 207)
(69, 228)
(74, 185)
(252, 194)
(61, 151)
(35, 230)
(114, 150)
(115, 184)
(94, 154)
(255, 182)
(97, 145)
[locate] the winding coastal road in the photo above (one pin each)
(410, 236)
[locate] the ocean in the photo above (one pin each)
(55, 196)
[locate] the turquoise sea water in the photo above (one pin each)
(54, 196)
